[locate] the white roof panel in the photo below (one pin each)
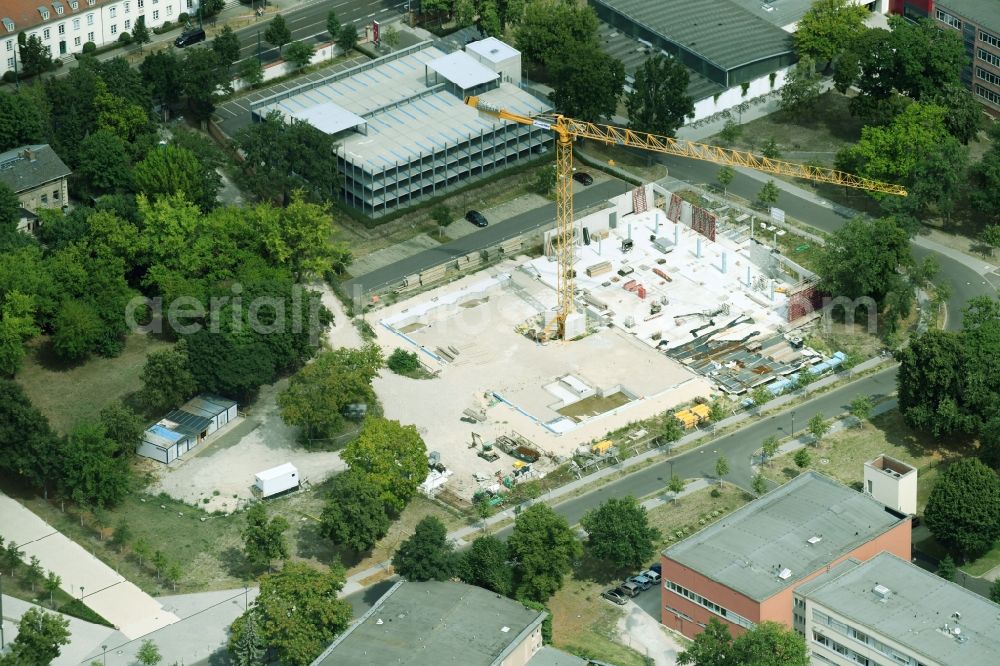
(328, 117)
(492, 49)
(276, 472)
(462, 69)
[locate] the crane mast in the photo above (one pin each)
(568, 129)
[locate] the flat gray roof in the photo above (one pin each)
(434, 623)
(328, 117)
(919, 605)
(492, 49)
(985, 13)
(462, 69)
(404, 118)
(720, 31)
(776, 12)
(550, 656)
(764, 547)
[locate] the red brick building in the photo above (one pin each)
(744, 568)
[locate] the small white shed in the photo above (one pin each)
(276, 480)
(499, 56)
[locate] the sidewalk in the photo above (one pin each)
(83, 635)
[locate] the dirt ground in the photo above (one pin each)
(222, 470)
(493, 359)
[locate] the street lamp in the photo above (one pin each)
(246, 591)
(793, 422)
(104, 654)
(1, 612)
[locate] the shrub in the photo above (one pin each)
(125, 38)
(8, 76)
(716, 493)
(182, 18)
(402, 362)
(89, 47)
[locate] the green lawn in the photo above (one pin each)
(694, 512)
(68, 395)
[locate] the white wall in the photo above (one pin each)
(101, 24)
(896, 492)
(734, 96)
(281, 68)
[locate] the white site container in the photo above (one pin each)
(277, 480)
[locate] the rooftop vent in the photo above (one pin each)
(813, 540)
(785, 574)
(505, 629)
(882, 592)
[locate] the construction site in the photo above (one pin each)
(672, 306)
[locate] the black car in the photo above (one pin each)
(583, 178)
(476, 218)
(190, 37)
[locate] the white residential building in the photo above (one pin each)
(64, 26)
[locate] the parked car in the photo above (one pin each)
(583, 178)
(630, 588)
(615, 595)
(656, 567)
(190, 37)
(643, 582)
(654, 576)
(476, 218)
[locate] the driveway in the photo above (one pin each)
(641, 630)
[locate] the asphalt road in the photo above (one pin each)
(491, 235)
(310, 21)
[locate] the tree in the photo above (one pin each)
(160, 562)
(93, 474)
(545, 181)
(263, 539)
(946, 568)
(488, 22)
(35, 573)
(161, 72)
(426, 554)
(930, 383)
(149, 653)
(166, 378)
(486, 565)
(769, 448)
(318, 394)
(758, 484)
(140, 33)
(770, 644)
(210, 8)
(354, 515)
(204, 77)
(465, 13)
(51, 583)
(800, 94)
(103, 163)
(28, 446)
(965, 115)
(828, 28)
(711, 647)
(802, 458)
(392, 456)
(586, 82)
(818, 427)
(548, 26)
(252, 72)
(672, 429)
(173, 573)
(721, 468)
(141, 549)
(227, 46)
(543, 548)
(676, 485)
(861, 407)
(299, 53)
(77, 328)
(730, 131)
(768, 194)
(299, 237)
(298, 637)
(347, 38)
(864, 258)
(333, 24)
(725, 177)
(985, 178)
(761, 396)
(174, 170)
(122, 535)
(990, 237)
(23, 119)
(12, 555)
(40, 636)
(659, 102)
(122, 426)
(35, 55)
(247, 649)
(402, 362)
(277, 33)
(963, 510)
(618, 532)
(995, 591)
(17, 325)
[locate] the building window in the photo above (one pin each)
(140, 3)
(44, 12)
(127, 7)
(190, 4)
(989, 77)
(128, 23)
(705, 603)
(62, 28)
(114, 29)
(988, 95)
(986, 56)
(10, 44)
(90, 19)
(73, 5)
(156, 14)
(90, 36)
(45, 198)
(55, 195)
(76, 24)
(113, 12)
(58, 7)
(76, 41)
(170, 10)
(947, 18)
(8, 24)
(46, 33)
(90, 3)
(10, 63)
(992, 40)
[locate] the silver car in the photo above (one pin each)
(651, 575)
(643, 582)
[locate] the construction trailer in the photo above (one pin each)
(275, 481)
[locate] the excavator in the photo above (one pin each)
(568, 130)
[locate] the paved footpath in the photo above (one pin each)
(83, 635)
(85, 577)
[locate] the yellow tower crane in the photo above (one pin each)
(567, 130)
